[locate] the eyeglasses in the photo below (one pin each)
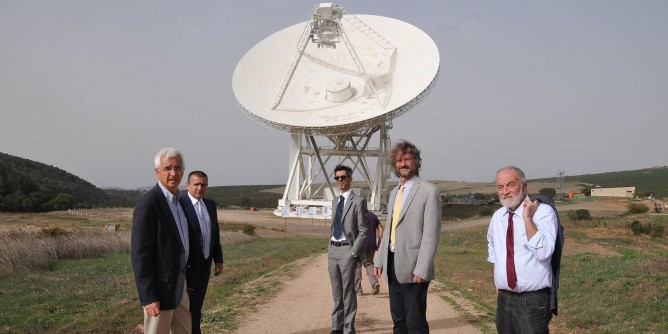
(167, 169)
(342, 177)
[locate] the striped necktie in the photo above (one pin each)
(205, 229)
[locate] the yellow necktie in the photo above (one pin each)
(395, 216)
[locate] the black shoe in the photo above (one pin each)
(337, 331)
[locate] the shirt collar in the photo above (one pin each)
(171, 198)
(408, 184)
(193, 199)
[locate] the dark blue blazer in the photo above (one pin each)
(158, 255)
(199, 268)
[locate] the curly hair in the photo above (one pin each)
(403, 147)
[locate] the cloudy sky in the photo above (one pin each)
(97, 87)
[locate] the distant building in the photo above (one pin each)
(625, 192)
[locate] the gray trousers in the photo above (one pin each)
(523, 313)
(368, 266)
(341, 266)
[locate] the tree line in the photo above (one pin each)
(30, 186)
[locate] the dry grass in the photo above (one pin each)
(24, 249)
(235, 237)
(30, 241)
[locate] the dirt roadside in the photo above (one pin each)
(305, 304)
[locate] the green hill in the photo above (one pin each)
(245, 196)
(30, 186)
(647, 181)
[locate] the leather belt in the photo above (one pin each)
(541, 291)
(339, 243)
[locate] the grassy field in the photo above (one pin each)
(612, 281)
(95, 292)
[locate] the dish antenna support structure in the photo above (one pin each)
(336, 93)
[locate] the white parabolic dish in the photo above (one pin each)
(318, 100)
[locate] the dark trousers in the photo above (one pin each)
(408, 303)
(523, 313)
(196, 302)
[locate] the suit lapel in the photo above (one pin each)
(192, 214)
(347, 206)
(163, 205)
(393, 198)
(406, 200)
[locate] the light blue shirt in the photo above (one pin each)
(179, 217)
(532, 257)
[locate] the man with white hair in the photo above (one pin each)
(521, 242)
(159, 249)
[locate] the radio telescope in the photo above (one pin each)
(335, 82)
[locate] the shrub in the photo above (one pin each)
(485, 211)
(658, 230)
(249, 229)
(582, 214)
(53, 232)
(549, 192)
(638, 228)
(655, 229)
(637, 208)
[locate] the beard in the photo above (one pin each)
(512, 202)
(406, 171)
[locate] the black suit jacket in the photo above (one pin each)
(199, 268)
(158, 255)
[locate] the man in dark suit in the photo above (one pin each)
(348, 232)
(406, 253)
(160, 249)
(205, 245)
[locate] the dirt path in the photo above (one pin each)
(304, 305)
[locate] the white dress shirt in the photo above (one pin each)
(532, 257)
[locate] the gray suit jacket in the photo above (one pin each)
(354, 221)
(418, 233)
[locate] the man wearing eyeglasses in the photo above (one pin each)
(406, 253)
(348, 232)
(160, 249)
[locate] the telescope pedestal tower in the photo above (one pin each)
(310, 174)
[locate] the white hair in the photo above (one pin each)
(168, 152)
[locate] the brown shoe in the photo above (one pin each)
(376, 288)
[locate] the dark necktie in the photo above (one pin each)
(510, 254)
(338, 230)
